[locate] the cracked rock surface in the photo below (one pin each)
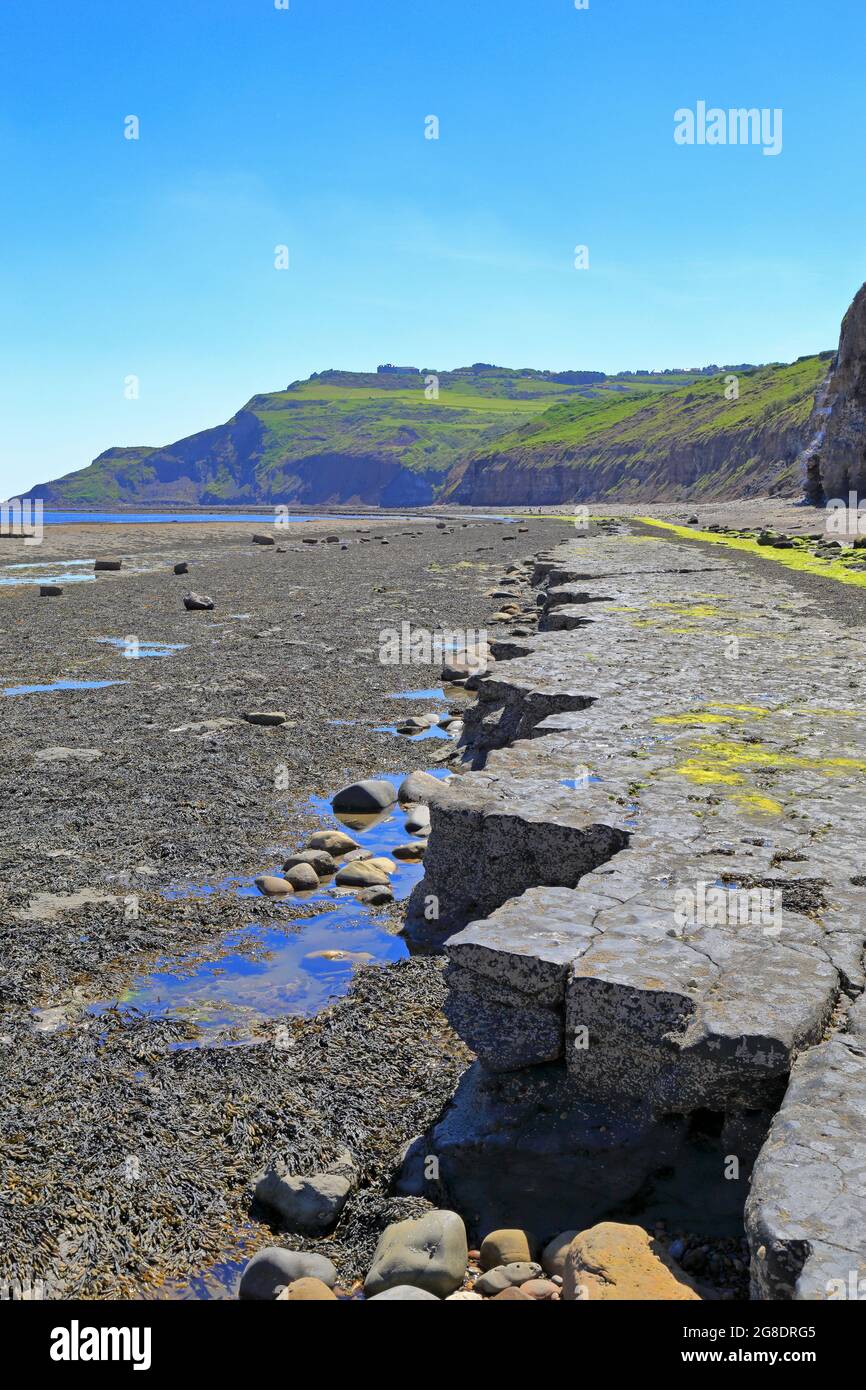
(648, 875)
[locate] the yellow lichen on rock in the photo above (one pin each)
(615, 1262)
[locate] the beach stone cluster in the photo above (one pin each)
(427, 1259)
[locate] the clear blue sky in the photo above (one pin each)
(306, 127)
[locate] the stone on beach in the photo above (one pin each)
(181, 567)
(376, 896)
(323, 863)
(418, 788)
(542, 1290)
(507, 1247)
(418, 820)
(268, 717)
(307, 1291)
(303, 877)
(613, 1262)
(507, 1276)
(411, 852)
(404, 1293)
(308, 1204)
(107, 564)
(273, 887)
(367, 797)
(274, 1268)
(334, 842)
(194, 602)
(50, 590)
(554, 1253)
(260, 539)
(429, 1252)
(362, 873)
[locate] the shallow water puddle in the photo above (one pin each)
(577, 784)
(432, 731)
(58, 685)
(134, 648)
(299, 975)
(56, 572)
(264, 972)
(434, 693)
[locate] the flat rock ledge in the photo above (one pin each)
(649, 886)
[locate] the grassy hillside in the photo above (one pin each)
(692, 440)
(491, 434)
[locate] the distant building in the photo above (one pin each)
(390, 370)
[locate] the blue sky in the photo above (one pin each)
(305, 127)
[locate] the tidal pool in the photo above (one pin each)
(58, 685)
(263, 971)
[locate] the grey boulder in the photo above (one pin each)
(367, 797)
(309, 1204)
(273, 1268)
(418, 788)
(319, 859)
(429, 1252)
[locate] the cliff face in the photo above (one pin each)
(698, 441)
(834, 461)
(490, 436)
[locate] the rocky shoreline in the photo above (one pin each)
(643, 1074)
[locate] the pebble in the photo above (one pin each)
(507, 1247)
(365, 797)
(418, 820)
(307, 1291)
(542, 1290)
(194, 602)
(272, 1269)
(334, 842)
(273, 887)
(376, 896)
(554, 1253)
(323, 863)
(361, 874)
(507, 1276)
(107, 564)
(418, 788)
(50, 590)
(429, 1252)
(303, 877)
(270, 717)
(407, 1293)
(308, 1203)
